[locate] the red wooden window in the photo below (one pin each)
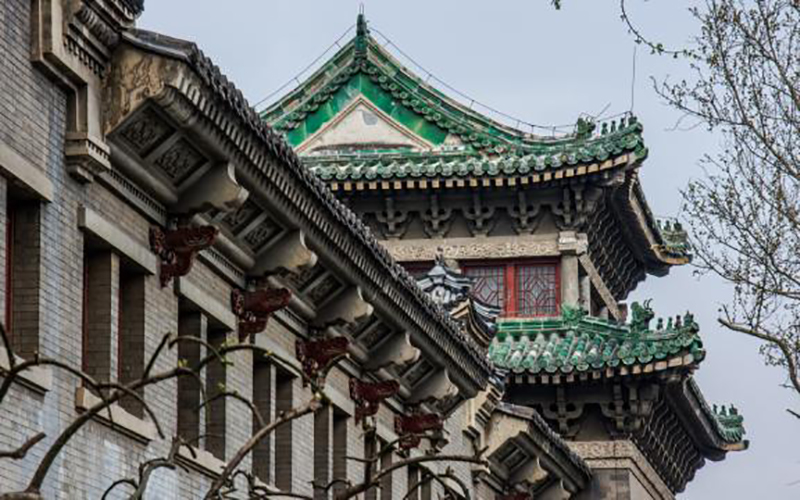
(521, 289)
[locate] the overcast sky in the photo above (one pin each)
(545, 67)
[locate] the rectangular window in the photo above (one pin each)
(262, 399)
(386, 481)
(216, 378)
(23, 274)
(322, 451)
(413, 483)
(536, 290)
(520, 289)
(284, 402)
(426, 490)
(114, 312)
(340, 420)
(131, 341)
(190, 416)
(100, 310)
(489, 284)
(370, 449)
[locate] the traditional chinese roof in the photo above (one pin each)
(592, 153)
(362, 68)
(452, 290)
(576, 348)
(577, 343)
(424, 139)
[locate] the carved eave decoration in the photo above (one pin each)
(526, 456)
(179, 130)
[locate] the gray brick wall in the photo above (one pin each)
(32, 123)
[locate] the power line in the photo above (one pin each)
(296, 78)
(553, 130)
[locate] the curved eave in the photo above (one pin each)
(643, 231)
(423, 171)
(706, 429)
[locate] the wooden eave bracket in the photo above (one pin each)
(289, 254)
(347, 307)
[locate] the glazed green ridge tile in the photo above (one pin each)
(728, 422)
(574, 342)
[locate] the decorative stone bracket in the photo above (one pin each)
(411, 427)
(368, 396)
(289, 254)
(436, 386)
(216, 189)
(396, 350)
(177, 248)
(253, 308)
(437, 219)
(317, 356)
(346, 308)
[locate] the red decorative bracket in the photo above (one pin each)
(368, 395)
(176, 248)
(410, 427)
(316, 356)
(254, 308)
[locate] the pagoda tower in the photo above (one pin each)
(552, 232)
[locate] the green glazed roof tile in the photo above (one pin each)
(575, 342)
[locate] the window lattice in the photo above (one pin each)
(536, 290)
(489, 285)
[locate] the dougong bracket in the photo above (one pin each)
(177, 248)
(253, 308)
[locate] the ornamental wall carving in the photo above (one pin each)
(471, 248)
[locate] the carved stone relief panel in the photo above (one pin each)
(239, 219)
(146, 131)
(180, 160)
(261, 234)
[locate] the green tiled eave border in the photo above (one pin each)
(360, 84)
(567, 345)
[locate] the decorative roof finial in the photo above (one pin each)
(361, 33)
